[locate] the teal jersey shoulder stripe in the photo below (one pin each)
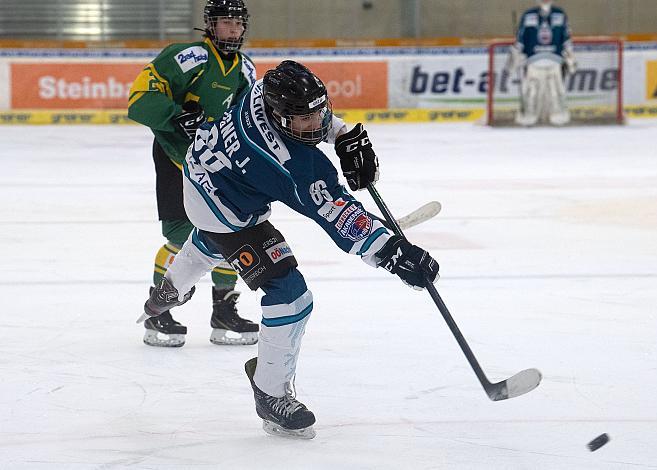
(263, 152)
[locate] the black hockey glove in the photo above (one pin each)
(411, 263)
(190, 119)
(357, 158)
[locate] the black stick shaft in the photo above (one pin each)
(469, 355)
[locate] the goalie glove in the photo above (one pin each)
(412, 264)
(190, 119)
(515, 59)
(569, 62)
(359, 163)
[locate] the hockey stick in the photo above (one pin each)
(419, 215)
(521, 383)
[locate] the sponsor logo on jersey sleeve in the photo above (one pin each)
(331, 210)
(279, 251)
(557, 19)
(191, 57)
(531, 20)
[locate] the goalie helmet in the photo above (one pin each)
(546, 6)
(297, 102)
(216, 9)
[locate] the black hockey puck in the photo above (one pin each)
(598, 442)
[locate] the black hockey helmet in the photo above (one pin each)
(215, 9)
(292, 92)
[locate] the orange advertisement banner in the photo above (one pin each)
(72, 85)
(350, 85)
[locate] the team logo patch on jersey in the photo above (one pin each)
(359, 228)
(346, 213)
(191, 57)
(279, 251)
(545, 34)
(331, 210)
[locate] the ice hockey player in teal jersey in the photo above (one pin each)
(264, 150)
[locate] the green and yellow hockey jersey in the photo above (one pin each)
(183, 72)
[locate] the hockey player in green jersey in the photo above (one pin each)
(183, 87)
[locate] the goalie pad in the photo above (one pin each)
(543, 95)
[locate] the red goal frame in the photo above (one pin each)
(620, 115)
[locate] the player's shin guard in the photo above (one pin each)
(281, 331)
(285, 310)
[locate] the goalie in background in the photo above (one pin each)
(544, 53)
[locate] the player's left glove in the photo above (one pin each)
(190, 119)
(411, 263)
(357, 158)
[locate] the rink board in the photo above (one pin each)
(442, 84)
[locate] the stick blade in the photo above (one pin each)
(420, 215)
(521, 383)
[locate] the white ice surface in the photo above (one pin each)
(548, 249)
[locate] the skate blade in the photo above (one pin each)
(276, 430)
(233, 338)
(163, 340)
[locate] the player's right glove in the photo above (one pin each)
(411, 263)
(357, 158)
(569, 63)
(190, 119)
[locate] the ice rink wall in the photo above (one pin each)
(382, 84)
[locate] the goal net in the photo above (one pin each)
(594, 91)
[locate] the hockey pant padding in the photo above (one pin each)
(286, 308)
(190, 264)
(176, 231)
(543, 93)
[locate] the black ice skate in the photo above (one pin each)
(227, 326)
(164, 331)
(161, 328)
(284, 416)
